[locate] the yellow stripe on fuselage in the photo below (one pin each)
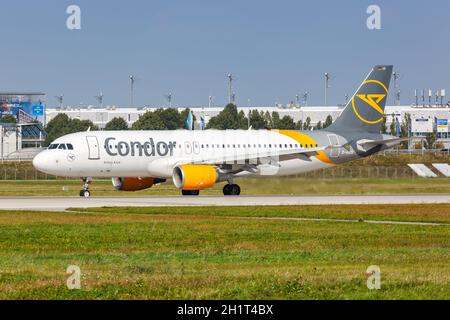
(305, 140)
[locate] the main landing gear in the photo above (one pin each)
(231, 190)
(85, 192)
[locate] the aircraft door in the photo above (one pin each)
(94, 149)
(334, 142)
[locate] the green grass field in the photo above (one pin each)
(250, 186)
(226, 253)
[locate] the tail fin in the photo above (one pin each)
(365, 111)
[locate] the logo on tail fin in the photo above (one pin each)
(370, 101)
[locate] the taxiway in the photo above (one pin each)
(63, 203)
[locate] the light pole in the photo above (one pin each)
(396, 76)
(327, 85)
(230, 88)
(132, 81)
(305, 98)
(210, 100)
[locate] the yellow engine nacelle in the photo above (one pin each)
(195, 177)
(134, 184)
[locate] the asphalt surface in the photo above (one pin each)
(62, 203)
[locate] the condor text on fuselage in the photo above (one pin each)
(136, 148)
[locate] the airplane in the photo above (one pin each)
(198, 160)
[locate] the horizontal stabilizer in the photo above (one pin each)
(366, 145)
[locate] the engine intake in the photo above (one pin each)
(134, 184)
(195, 177)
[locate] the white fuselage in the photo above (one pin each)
(156, 153)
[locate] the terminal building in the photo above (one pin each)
(22, 115)
(425, 119)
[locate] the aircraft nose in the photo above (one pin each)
(41, 161)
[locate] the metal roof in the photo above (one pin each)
(21, 93)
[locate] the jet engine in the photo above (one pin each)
(134, 184)
(195, 177)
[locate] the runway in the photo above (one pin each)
(63, 203)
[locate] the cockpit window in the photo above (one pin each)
(61, 146)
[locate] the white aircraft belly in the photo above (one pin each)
(297, 166)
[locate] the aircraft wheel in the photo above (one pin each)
(190, 192)
(85, 193)
(231, 190)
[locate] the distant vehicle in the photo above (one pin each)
(197, 160)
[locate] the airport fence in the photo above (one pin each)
(360, 172)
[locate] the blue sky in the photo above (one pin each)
(276, 49)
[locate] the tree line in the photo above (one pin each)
(172, 119)
(230, 118)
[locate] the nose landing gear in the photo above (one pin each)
(85, 192)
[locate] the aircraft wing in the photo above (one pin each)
(256, 157)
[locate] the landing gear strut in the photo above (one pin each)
(85, 192)
(231, 190)
(190, 192)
